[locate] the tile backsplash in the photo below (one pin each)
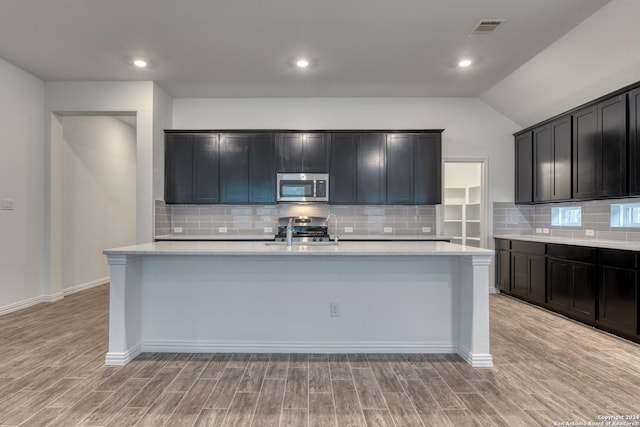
(509, 218)
(251, 220)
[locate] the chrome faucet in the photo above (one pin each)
(289, 233)
(335, 218)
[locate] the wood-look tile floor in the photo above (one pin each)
(547, 370)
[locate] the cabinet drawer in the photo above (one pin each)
(531, 248)
(503, 244)
(573, 253)
(617, 258)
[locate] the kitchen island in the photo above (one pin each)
(373, 297)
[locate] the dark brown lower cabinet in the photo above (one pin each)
(528, 267)
(571, 281)
(618, 292)
(503, 264)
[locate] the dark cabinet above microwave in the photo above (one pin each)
(303, 152)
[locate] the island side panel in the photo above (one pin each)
(125, 309)
(472, 310)
(282, 304)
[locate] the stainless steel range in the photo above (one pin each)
(304, 229)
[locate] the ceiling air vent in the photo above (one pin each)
(487, 26)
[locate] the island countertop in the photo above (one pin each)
(398, 248)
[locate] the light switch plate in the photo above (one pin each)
(388, 229)
(177, 229)
(348, 229)
(426, 229)
(545, 231)
(589, 232)
(222, 229)
(538, 230)
(6, 204)
(268, 230)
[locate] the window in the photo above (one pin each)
(625, 215)
(567, 216)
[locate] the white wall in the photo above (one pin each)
(21, 179)
(99, 196)
(598, 56)
(462, 174)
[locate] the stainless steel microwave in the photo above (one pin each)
(303, 187)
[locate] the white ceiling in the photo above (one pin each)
(245, 48)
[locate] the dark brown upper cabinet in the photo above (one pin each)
(414, 170)
(600, 149)
(357, 172)
(524, 168)
(247, 168)
(303, 152)
(552, 161)
(191, 168)
(634, 142)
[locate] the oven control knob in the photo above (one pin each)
(315, 240)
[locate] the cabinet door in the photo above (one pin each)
(583, 291)
(634, 142)
(262, 166)
(342, 174)
(290, 152)
(178, 182)
(234, 168)
(524, 168)
(206, 178)
(542, 162)
(612, 132)
(618, 302)
(561, 159)
(427, 169)
(399, 169)
(503, 270)
(520, 274)
(537, 278)
(585, 135)
(371, 169)
(315, 152)
(558, 287)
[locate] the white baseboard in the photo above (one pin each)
(476, 360)
(53, 297)
(85, 286)
(20, 305)
(120, 359)
(294, 347)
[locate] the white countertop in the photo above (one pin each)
(270, 248)
(607, 244)
(216, 237)
(267, 237)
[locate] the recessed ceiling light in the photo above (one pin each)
(140, 63)
(302, 63)
(465, 63)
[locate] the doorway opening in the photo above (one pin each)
(97, 197)
(464, 203)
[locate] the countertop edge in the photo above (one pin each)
(603, 244)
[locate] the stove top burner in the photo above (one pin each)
(304, 229)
